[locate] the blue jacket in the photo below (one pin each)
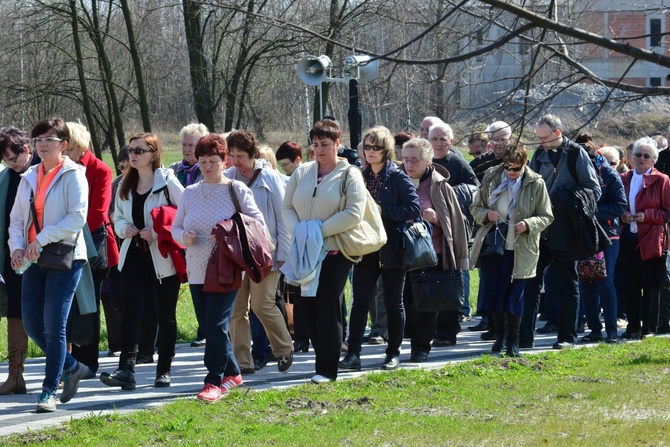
(612, 202)
(395, 211)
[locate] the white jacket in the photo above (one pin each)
(123, 216)
(65, 209)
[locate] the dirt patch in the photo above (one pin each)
(313, 406)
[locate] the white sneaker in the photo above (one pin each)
(319, 379)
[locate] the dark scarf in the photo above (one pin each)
(187, 173)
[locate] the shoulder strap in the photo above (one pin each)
(343, 185)
(34, 212)
(166, 191)
(233, 196)
(572, 162)
(254, 177)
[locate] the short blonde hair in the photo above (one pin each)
(80, 137)
(198, 129)
(266, 153)
(610, 153)
(381, 136)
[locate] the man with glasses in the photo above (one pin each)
(552, 161)
(499, 134)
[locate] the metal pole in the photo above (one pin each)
(354, 114)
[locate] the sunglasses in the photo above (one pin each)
(140, 151)
(373, 148)
(517, 169)
(641, 155)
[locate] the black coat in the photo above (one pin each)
(399, 203)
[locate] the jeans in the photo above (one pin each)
(366, 273)
(465, 310)
(46, 300)
(213, 311)
(260, 345)
(602, 294)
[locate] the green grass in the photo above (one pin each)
(608, 395)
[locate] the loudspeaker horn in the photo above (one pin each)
(312, 69)
(367, 70)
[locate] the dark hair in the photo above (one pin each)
(325, 129)
(515, 155)
(13, 139)
(212, 144)
(290, 150)
(585, 140)
(131, 179)
(124, 155)
(481, 136)
(243, 141)
(52, 123)
(402, 138)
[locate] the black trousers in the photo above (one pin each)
(323, 314)
(88, 354)
(419, 326)
(641, 289)
(141, 289)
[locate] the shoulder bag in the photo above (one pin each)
(418, 244)
(438, 290)
(100, 240)
(57, 255)
(494, 241)
(664, 264)
(368, 236)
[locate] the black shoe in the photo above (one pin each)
(663, 330)
(162, 380)
(300, 346)
(144, 359)
(526, 344)
(419, 357)
(563, 345)
(198, 343)
(498, 346)
(259, 364)
(91, 375)
(350, 361)
(247, 370)
(547, 329)
(285, 362)
(581, 328)
(121, 377)
(637, 335)
(489, 335)
(592, 338)
(479, 327)
(391, 362)
(612, 339)
(437, 343)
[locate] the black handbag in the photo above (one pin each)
(494, 241)
(100, 241)
(418, 244)
(664, 265)
(438, 290)
(57, 255)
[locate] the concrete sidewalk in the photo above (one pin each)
(17, 412)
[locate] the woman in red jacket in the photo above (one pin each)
(99, 178)
(642, 240)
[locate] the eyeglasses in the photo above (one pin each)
(373, 148)
(641, 155)
(13, 160)
(140, 151)
(47, 140)
(411, 161)
(475, 154)
(510, 168)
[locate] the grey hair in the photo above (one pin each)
(424, 147)
(194, 129)
(496, 126)
(661, 142)
(551, 121)
(647, 142)
(445, 127)
(610, 153)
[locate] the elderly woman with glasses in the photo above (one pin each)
(511, 193)
(50, 207)
(439, 206)
(642, 238)
(147, 278)
(396, 198)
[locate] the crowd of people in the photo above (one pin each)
(129, 243)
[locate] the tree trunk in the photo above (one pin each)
(137, 65)
(200, 84)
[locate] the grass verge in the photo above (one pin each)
(608, 395)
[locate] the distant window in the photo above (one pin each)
(654, 82)
(654, 33)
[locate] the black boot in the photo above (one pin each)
(513, 324)
(499, 318)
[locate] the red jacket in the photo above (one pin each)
(163, 216)
(654, 200)
(99, 178)
(241, 245)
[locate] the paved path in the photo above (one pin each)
(17, 412)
